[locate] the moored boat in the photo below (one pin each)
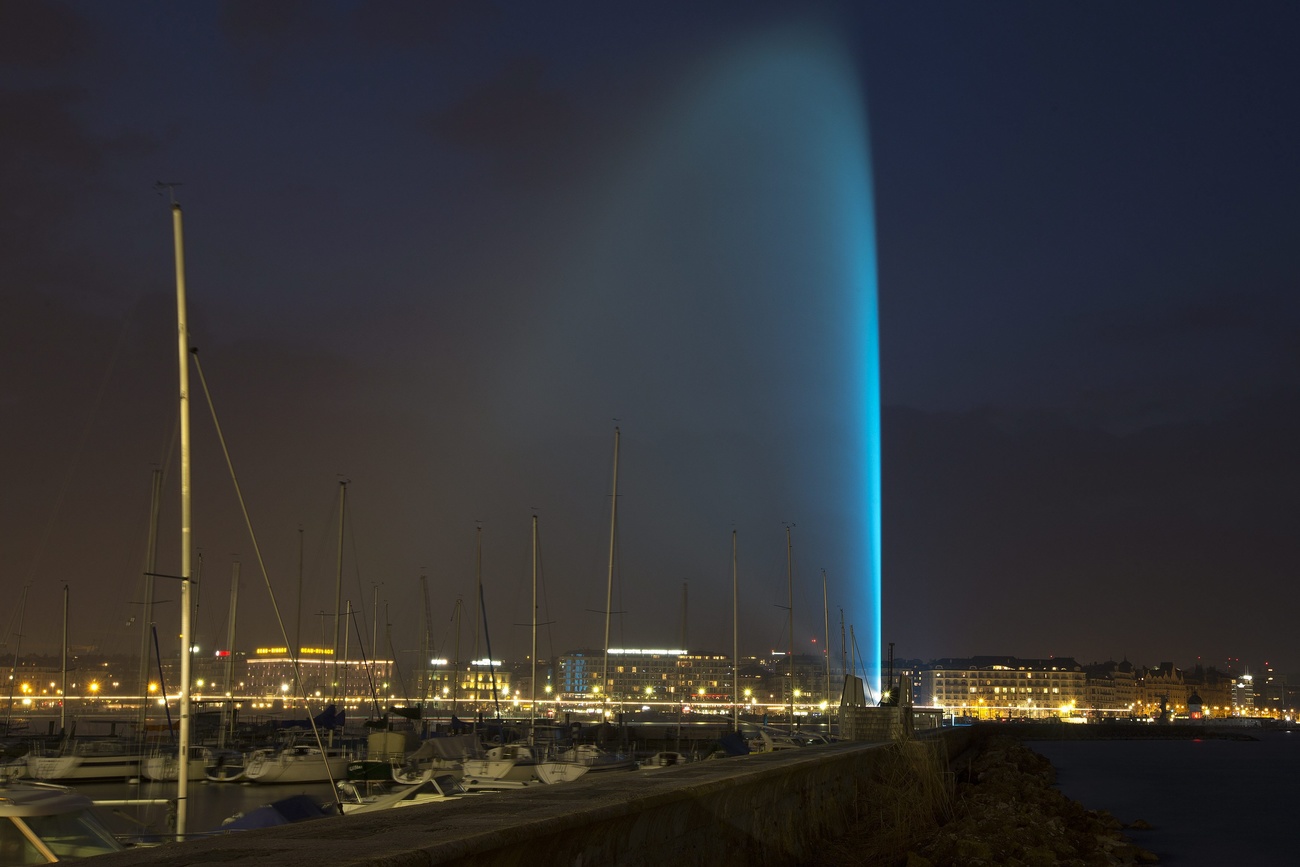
(86, 759)
(570, 764)
(161, 764)
(43, 824)
(509, 766)
(224, 766)
(297, 764)
(364, 797)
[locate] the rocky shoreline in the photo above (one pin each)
(996, 806)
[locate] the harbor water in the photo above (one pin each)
(1210, 801)
(208, 804)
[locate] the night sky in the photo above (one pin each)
(438, 249)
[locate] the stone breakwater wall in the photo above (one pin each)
(773, 809)
(1008, 811)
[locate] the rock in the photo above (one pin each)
(1140, 825)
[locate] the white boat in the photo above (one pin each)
(44, 824)
(666, 759)
(369, 797)
(84, 759)
(570, 764)
(509, 766)
(224, 766)
(442, 755)
(297, 764)
(161, 764)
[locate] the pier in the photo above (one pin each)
(765, 809)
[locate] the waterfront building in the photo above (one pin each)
(1271, 692)
(269, 675)
(1111, 689)
(993, 687)
(478, 682)
(1243, 695)
(1214, 688)
(1163, 687)
(650, 676)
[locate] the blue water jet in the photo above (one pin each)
(732, 258)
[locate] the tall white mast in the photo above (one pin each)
(609, 585)
(187, 528)
(338, 595)
(146, 612)
(63, 684)
(826, 650)
(478, 605)
(735, 639)
(789, 571)
(532, 700)
(227, 718)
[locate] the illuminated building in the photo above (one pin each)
(992, 687)
(481, 681)
(1112, 690)
(270, 674)
(646, 675)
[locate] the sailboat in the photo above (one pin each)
(297, 763)
(103, 755)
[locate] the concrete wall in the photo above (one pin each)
(768, 809)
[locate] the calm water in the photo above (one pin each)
(1212, 802)
(209, 803)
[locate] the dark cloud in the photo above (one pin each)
(43, 36)
(419, 25)
(266, 36)
(515, 120)
(1073, 541)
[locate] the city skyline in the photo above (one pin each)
(441, 252)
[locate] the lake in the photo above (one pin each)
(1211, 802)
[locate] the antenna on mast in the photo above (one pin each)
(170, 187)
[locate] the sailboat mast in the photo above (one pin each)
(735, 639)
(826, 649)
(478, 603)
(187, 528)
(347, 634)
(296, 651)
(844, 648)
(789, 573)
(13, 670)
(425, 685)
(227, 720)
(532, 699)
(609, 585)
(455, 683)
(63, 685)
(146, 612)
(338, 589)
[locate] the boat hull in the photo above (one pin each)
(75, 767)
(295, 767)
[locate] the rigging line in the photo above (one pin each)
(857, 655)
(77, 453)
(546, 602)
(370, 677)
(618, 582)
(261, 564)
(356, 558)
(397, 669)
